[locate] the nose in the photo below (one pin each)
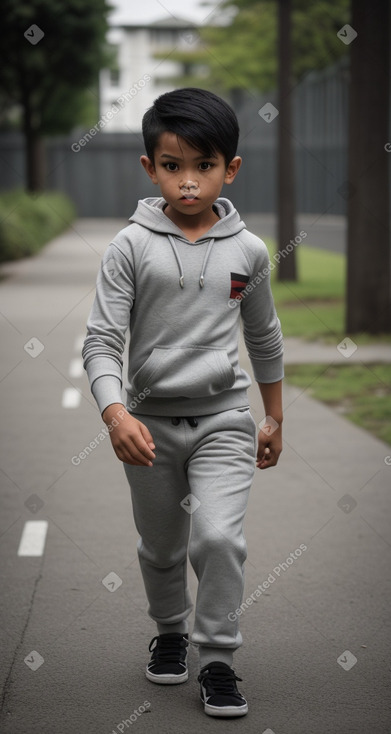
(189, 185)
(189, 189)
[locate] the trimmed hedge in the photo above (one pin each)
(29, 221)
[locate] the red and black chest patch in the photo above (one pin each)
(238, 284)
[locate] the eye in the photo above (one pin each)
(167, 166)
(205, 163)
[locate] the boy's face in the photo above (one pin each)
(189, 181)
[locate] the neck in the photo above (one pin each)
(193, 224)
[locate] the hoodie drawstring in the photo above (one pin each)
(180, 267)
(204, 264)
(178, 259)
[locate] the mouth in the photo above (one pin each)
(190, 192)
(189, 197)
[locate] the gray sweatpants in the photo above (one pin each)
(193, 500)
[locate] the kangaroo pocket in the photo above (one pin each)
(190, 372)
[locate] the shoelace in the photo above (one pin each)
(167, 650)
(220, 681)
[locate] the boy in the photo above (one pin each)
(178, 277)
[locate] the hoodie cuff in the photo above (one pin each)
(271, 370)
(107, 390)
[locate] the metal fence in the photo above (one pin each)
(105, 178)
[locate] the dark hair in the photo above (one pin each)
(203, 119)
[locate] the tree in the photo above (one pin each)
(368, 272)
(286, 168)
(51, 51)
(242, 53)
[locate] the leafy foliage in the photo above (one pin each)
(48, 79)
(28, 222)
(243, 54)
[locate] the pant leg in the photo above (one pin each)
(163, 525)
(220, 472)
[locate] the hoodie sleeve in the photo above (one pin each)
(261, 326)
(107, 326)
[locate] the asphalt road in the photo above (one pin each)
(74, 639)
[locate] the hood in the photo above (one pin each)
(149, 214)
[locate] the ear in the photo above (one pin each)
(149, 167)
(232, 169)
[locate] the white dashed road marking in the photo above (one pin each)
(76, 367)
(32, 542)
(71, 398)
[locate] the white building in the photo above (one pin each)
(140, 77)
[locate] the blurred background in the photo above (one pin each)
(309, 82)
(75, 75)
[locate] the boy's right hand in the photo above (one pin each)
(131, 439)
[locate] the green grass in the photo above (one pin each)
(314, 308)
(29, 221)
(321, 275)
(362, 393)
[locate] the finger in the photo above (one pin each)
(134, 454)
(133, 459)
(134, 462)
(143, 454)
(267, 462)
(147, 436)
(263, 443)
(266, 459)
(263, 453)
(141, 445)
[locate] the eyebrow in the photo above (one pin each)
(174, 158)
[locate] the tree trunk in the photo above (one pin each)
(368, 251)
(285, 186)
(34, 151)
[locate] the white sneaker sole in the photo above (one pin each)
(226, 711)
(167, 679)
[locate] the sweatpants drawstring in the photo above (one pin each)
(193, 422)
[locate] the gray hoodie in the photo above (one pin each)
(182, 302)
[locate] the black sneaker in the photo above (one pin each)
(168, 661)
(219, 692)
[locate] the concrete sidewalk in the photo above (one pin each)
(299, 351)
(315, 656)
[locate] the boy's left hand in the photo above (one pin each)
(269, 448)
